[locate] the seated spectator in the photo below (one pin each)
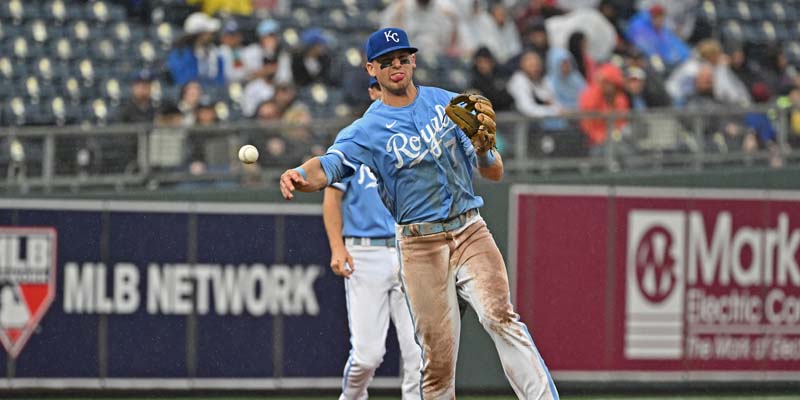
(140, 106)
(313, 63)
(792, 102)
(564, 78)
(745, 69)
(194, 56)
(474, 26)
(489, 81)
(533, 96)
(777, 72)
(268, 111)
(205, 114)
(231, 50)
(534, 38)
(259, 89)
(609, 9)
(722, 134)
(267, 56)
(504, 40)
(642, 95)
(431, 25)
(298, 130)
(584, 62)
(680, 15)
(536, 10)
(606, 94)
(762, 126)
(647, 31)
(285, 96)
(191, 94)
(727, 87)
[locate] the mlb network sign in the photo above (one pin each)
(680, 280)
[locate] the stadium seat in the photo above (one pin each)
(73, 91)
(79, 31)
(114, 91)
(146, 52)
(104, 50)
(164, 34)
(13, 10)
(85, 70)
(37, 32)
(15, 111)
(708, 11)
(11, 70)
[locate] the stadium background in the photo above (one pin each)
(163, 186)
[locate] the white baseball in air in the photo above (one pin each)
(248, 154)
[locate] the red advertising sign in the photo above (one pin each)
(703, 284)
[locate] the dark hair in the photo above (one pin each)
(574, 46)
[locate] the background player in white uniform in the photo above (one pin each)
(424, 165)
(367, 258)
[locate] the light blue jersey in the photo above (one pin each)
(422, 160)
(363, 213)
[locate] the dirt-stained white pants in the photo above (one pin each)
(437, 268)
(374, 295)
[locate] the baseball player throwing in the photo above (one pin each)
(353, 208)
(424, 166)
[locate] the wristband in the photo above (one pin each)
(486, 160)
(302, 172)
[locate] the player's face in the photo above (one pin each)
(393, 70)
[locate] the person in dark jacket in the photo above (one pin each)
(490, 81)
(140, 107)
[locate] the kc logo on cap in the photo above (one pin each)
(386, 41)
(391, 36)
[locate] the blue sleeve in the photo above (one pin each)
(348, 151)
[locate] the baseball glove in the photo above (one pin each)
(474, 114)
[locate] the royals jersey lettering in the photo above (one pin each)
(415, 150)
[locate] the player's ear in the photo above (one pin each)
(413, 59)
(370, 69)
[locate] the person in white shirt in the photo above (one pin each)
(231, 51)
(268, 56)
(533, 95)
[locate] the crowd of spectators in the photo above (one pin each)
(661, 55)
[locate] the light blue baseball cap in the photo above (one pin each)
(267, 27)
(386, 41)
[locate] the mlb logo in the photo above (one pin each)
(655, 285)
(27, 282)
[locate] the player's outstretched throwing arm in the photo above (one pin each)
(313, 176)
(309, 177)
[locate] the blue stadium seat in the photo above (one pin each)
(164, 34)
(10, 70)
(16, 111)
(79, 32)
(15, 10)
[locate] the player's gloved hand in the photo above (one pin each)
(475, 115)
(289, 180)
(342, 262)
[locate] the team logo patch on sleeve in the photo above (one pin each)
(27, 282)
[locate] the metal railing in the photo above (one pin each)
(80, 158)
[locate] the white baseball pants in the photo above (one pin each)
(374, 295)
(435, 270)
